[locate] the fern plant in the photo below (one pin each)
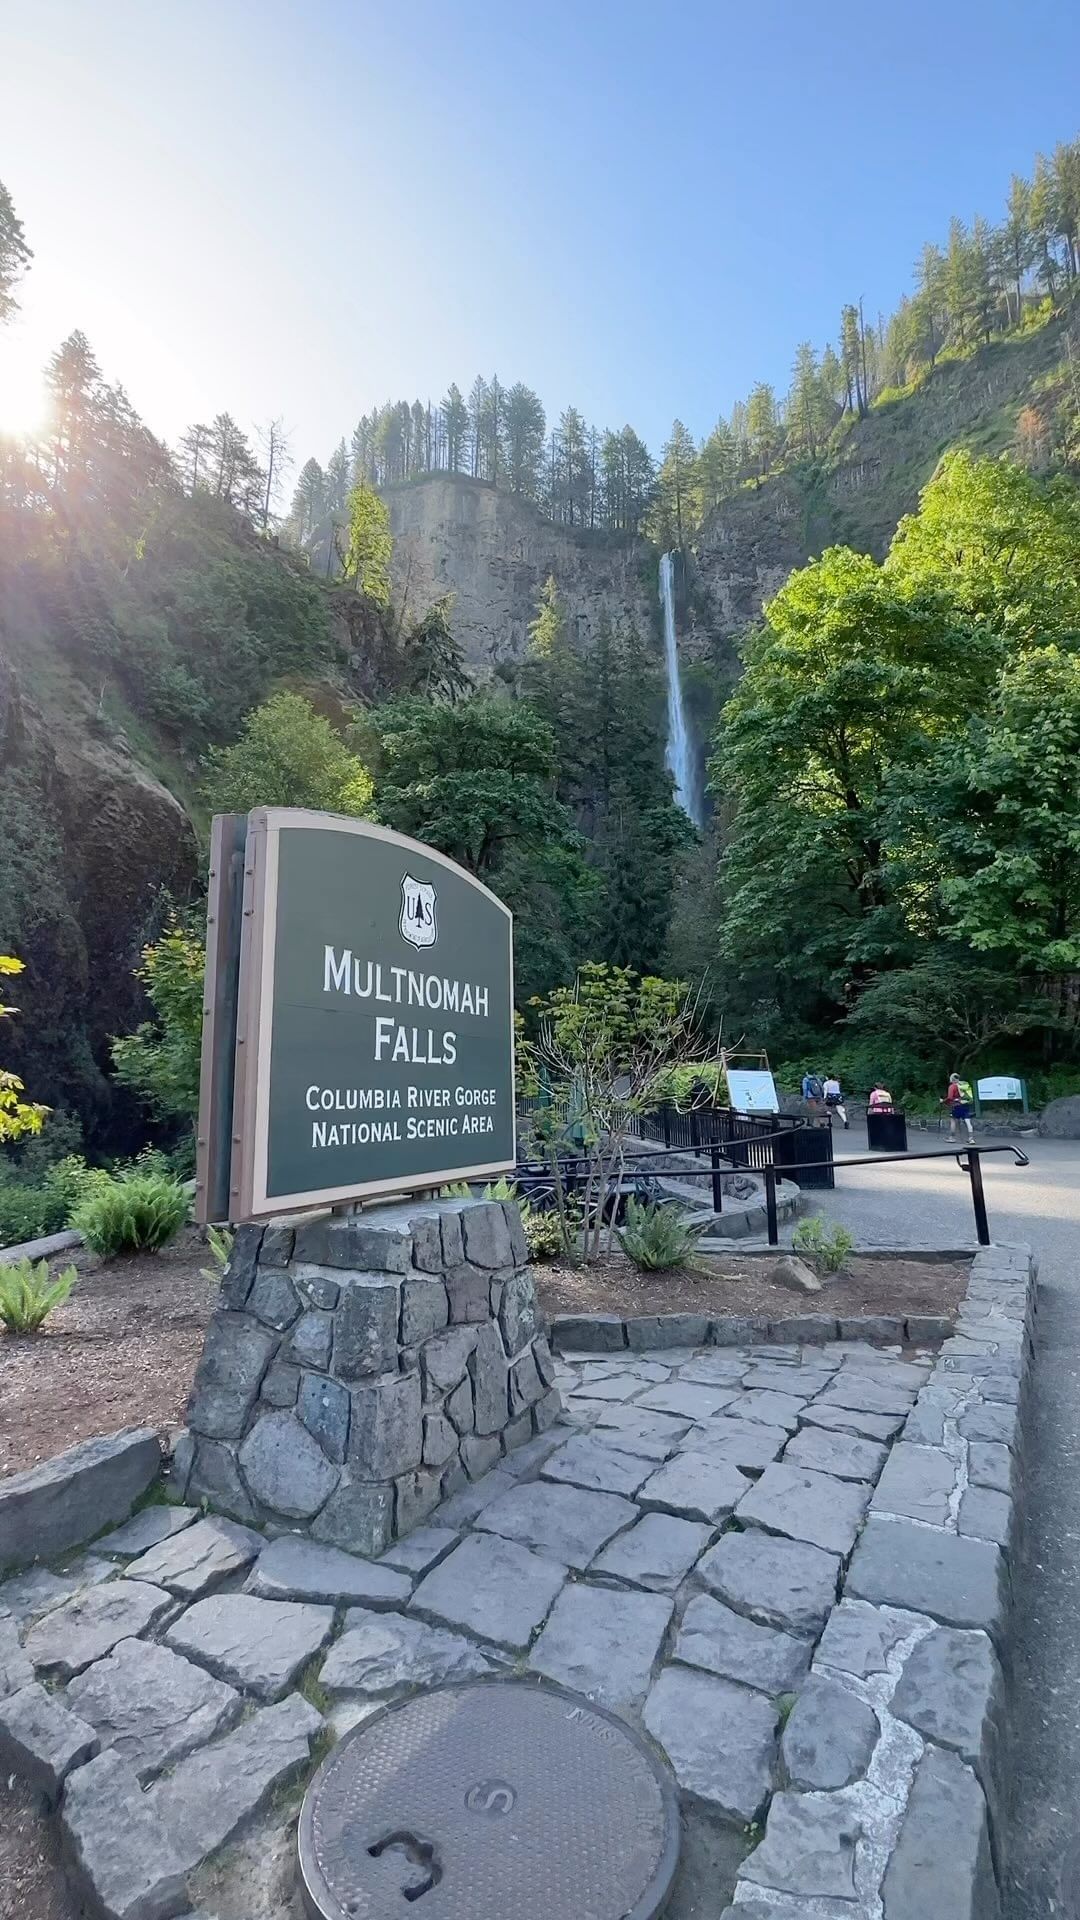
(137, 1214)
(220, 1242)
(28, 1296)
(824, 1246)
(655, 1238)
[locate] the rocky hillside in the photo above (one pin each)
(493, 552)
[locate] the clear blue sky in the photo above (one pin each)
(304, 210)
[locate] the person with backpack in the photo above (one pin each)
(834, 1098)
(813, 1093)
(958, 1099)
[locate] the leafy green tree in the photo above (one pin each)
(472, 779)
(949, 1008)
(18, 1117)
(160, 1061)
(287, 756)
(370, 545)
(1001, 543)
(1011, 833)
(15, 255)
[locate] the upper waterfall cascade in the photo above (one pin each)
(678, 753)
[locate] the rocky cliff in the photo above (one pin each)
(494, 552)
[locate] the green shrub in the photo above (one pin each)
(656, 1237)
(27, 1296)
(544, 1233)
(137, 1213)
(826, 1247)
(24, 1213)
(220, 1242)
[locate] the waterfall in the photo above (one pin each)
(678, 754)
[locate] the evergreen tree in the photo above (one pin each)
(677, 482)
(1017, 241)
(15, 255)
(478, 401)
(523, 440)
(308, 503)
(455, 426)
(717, 467)
(763, 426)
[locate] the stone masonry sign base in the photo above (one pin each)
(362, 1368)
(499, 1798)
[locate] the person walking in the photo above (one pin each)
(881, 1099)
(834, 1098)
(813, 1093)
(958, 1099)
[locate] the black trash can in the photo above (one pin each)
(886, 1130)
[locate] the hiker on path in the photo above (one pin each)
(958, 1099)
(834, 1098)
(813, 1093)
(881, 1099)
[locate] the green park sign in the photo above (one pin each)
(359, 1032)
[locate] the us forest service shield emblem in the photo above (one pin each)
(418, 923)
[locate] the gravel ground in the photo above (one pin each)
(928, 1204)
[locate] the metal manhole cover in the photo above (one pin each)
(496, 1800)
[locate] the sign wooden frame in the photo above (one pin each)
(248, 1141)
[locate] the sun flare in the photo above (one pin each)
(23, 397)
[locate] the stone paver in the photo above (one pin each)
(151, 1705)
(146, 1529)
(121, 1853)
(595, 1461)
(916, 1484)
(829, 1737)
(382, 1653)
(199, 1558)
(941, 1864)
(657, 1552)
(204, 1801)
(43, 1740)
(780, 1583)
(958, 1581)
(873, 1426)
(259, 1645)
(30, 1595)
(721, 1641)
(767, 1408)
(421, 1548)
(858, 1639)
(808, 1849)
(16, 1668)
(695, 1401)
(866, 1394)
(567, 1523)
(603, 1643)
(747, 1444)
(88, 1627)
(951, 1689)
(698, 1486)
(803, 1505)
(718, 1737)
(494, 1587)
(292, 1568)
(635, 1430)
(847, 1455)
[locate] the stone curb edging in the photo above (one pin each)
(608, 1333)
(920, 1637)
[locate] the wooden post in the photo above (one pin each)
(224, 918)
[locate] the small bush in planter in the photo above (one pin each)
(135, 1215)
(28, 1296)
(824, 1246)
(656, 1237)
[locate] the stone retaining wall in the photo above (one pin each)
(361, 1368)
(893, 1753)
(608, 1333)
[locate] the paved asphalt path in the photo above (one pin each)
(928, 1204)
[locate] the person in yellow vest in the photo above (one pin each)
(958, 1099)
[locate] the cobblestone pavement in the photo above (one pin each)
(673, 1548)
(928, 1204)
(179, 1673)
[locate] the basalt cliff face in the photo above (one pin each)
(493, 552)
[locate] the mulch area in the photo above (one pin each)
(120, 1353)
(734, 1284)
(33, 1884)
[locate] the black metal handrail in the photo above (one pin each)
(973, 1169)
(573, 1162)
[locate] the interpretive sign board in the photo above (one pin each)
(1001, 1086)
(752, 1090)
(374, 1025)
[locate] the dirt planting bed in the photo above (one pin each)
(739, 1284)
